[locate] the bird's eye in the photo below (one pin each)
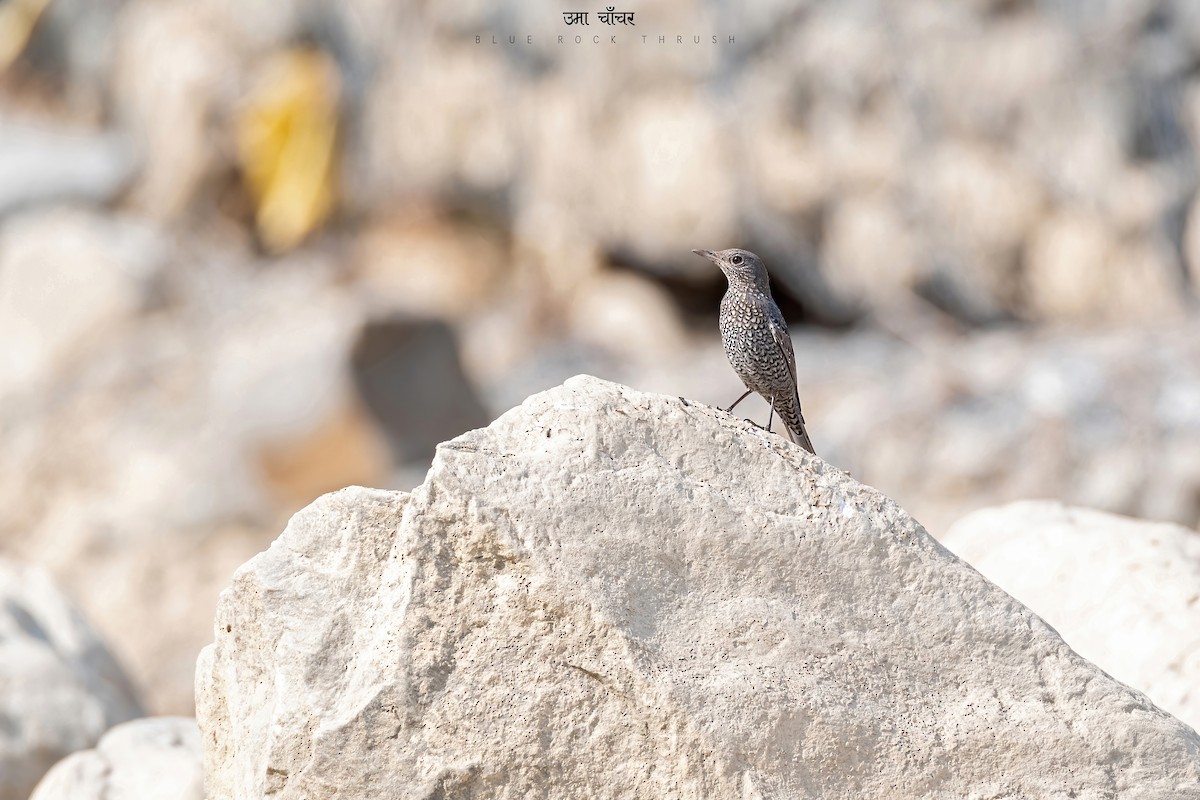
(736, 260)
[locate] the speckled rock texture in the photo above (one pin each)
(611, 594)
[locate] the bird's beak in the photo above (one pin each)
(709, 254)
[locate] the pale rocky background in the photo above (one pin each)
(60, 688)
(154, 758)
(253, 252)
(1123, 593)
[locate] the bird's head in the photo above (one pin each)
(741, 267)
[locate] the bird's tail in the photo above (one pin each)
(794, 420)
(800, 437)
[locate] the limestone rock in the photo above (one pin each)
(624, 313)
(68, 277)
(41, 164)
(614, 594)
(75, 41)
(1124, 593)
(1075, 262)
(985, 202)
(170, 109)
(154, 758)
(674, 160)
(870, 251)
(59, 686)
(420, 264)
(461, 92)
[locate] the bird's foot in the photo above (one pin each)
(735, 402)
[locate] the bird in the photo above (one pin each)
(756, 339)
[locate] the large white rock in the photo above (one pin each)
(154, 758)
(1124, 593)
(59, 686)
(610, 594)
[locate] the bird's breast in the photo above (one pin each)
(740, 313)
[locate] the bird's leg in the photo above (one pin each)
(735, 402)
(770, 416)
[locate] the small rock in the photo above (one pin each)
(987, 200)
(48, 165)
(68, 277)
(1191, 241)
(76, 40)
(626, 315)
(154, 758)
(1078, 269)
(429, 266)
(981, 70)
(60, 688)
(787, 166)
(673, 161)
(870, 250)
(441, 113)
(171, 110)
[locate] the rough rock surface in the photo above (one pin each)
(59, 686)
(614, 594)
(154, 758)
(1124, 593)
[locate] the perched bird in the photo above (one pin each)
(756, 339)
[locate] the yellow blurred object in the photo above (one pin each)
(18, 18)
(286, 139)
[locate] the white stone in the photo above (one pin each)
(613, 594)
(1078, 269)
(67, 278)
(985, 199)
(153, 758)
(170, 109)
(425, 266)
(1124, 593)
(41, 164)
(59, 686)
(462, 94)
(673, 160)
(870, 250)
(624, 313)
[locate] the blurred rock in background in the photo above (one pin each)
(408, 373)
(154, 758)
(251, 252)
(60, 688)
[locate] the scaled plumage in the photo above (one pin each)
(756, 338)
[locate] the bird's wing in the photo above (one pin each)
(783, 339)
